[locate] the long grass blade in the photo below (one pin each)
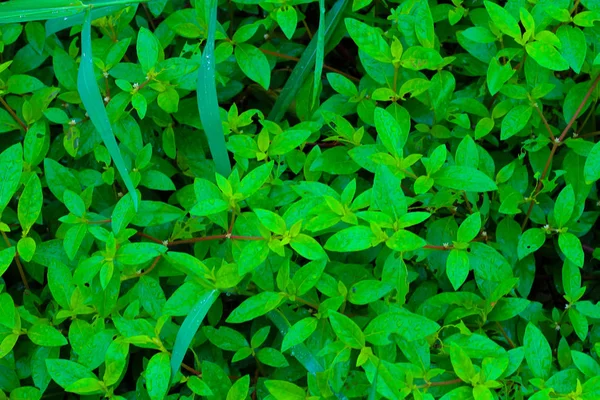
(190, 327)
(320, 54)
(208, 105)
(92, 100)
(304, 66)
(58, 24)
(37, 10)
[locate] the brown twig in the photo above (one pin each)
(308, 32)
(13, 114)
(545, 121)
(214, 237)
(151, 267)
(296, 59)
(149, 16)
(441, 383)
(510, 342)
(557, 142)
(151, 238)
(19, 265)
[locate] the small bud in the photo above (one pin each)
(136, 85)
(484, 233)
(557, 140)
(106, 99)
(446, 245)
(266, 36)
(557, 327)
(120, 194)
(598, 203)
(105, 73)
(72, 122)
(165, 243)
(567, 306)
(575, 134)
(87, 115)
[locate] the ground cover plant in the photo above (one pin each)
(290, 200)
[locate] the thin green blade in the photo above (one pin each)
(92, 101)
(31, 10)
(190, 327)
(320, 54)
(208, 105)
(304, 66)
(57, 24)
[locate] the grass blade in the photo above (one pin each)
(65, 22)
(92, 101)
(35, 10)
(320, 54)
(303, 68)
(190, 327)
(208, 105)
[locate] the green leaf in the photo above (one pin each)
(255, 306)
(537, 352)
(153, 213)
(591, 169)
(347, 330)
(253, 254)
(139, 253)
(30, 203)
(92, 100)
(392, 133)
(287, 18)
(208, 104)
(570, 245)
(469, 229)
(45, 335)
(404, 240)
(457, 267)
(239, 390)
(271, 221)
(272, 357)
(307, 247)
(190, 326)
(464, 178)
(6, 257)
(11, 167)
(503, 20)
(254, 64)
(573, 46)
(547, 56)
(115, 361)
(74, 203)
(225, 338)
(497, 75)
(283, 390)
(148, 49)
(369, 40)
(158, 375)
(402, 322)
(66, 373)
(564, 206)
(514, 122)
(355, 238)
(418, 58)
(462, 364)
(287, 141)
(299, 332)
(308, 276)
(255, 180)
(530, 241)
(8, 310)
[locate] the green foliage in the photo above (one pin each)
(299, 200)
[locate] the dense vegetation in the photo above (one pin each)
(297, 200)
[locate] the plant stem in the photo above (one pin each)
(441, 383)
(545, 121)
(510, 342)
(19, 265)
(296, 59)
(555, 145)
(13, 114)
